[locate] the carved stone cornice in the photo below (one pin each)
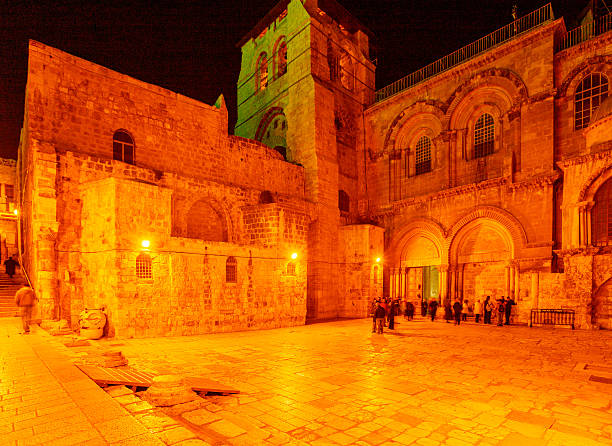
(589, 157)
(535, 183)
(582, 251)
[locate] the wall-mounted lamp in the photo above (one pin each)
(294, 255)
(145, 243)
(15, 211)
(378, 259)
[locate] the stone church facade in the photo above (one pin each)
(487, 173)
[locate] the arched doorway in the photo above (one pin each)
(481, 261)
(600, 309)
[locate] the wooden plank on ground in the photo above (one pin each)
(117, 375)
(208, 385)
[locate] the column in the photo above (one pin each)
(460, 280)
(535, 279)
(443, 282)
(452, 282)
(507, 280)
(516, 282)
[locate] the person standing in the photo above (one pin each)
(448, 311)
(508, 309)
(423, 306)
(380, 314)
(25, 300)
(433, 307)
(501, 309)
(392, 309)
(465, 310)
(9, 265)
(477, 310)
(373, 310)
(457, 307)
(488, 309)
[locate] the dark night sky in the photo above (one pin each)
(189, 46)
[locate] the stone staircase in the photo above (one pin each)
(8, 288)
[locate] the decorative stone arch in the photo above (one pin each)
(432, 109)
(417, 227)
(280, 64)
(498, 78)
(599, 309)
(273, 136)
(586, 203)
(602, 64)
(207, 219)
(516, 235)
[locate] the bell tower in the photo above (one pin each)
(305, 80)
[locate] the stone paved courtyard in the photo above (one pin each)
(426, 383)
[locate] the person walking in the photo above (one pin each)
(448, 311)
(25, 300)
(9, 265)
(380, 314)
(433, 307)
(373, 311)
(457, 308)
(508, 309)
(477, 310)
(501, 310)
(488, 309)
(465, 310)
(410, 310)
(423, 306)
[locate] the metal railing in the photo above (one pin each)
(585, 32)
(519, 26)
(552, 317)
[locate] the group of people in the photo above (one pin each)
(460, 310)
(384, 311)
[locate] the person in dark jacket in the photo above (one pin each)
(508, 309)
(501, 310)
(457, 307)
(423, 306)
(410, 310)
(487, 308)
(10, 265)
(448, 311)
(433, 307)
(392, 310)
(380, 314)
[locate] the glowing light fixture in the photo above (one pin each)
(294, 255)
(377, 259)
(16, 212)
(145, 243)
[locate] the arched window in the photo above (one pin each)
(344, 202)
(231, 270)
(266, 197)
(591, 92)
(144, 268)
(601, 216)
(262, 72)
(281, 58)
(291, 269)
(423, 155)
(123, 147)
(346, 71)
(484, 136)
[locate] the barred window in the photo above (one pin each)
(281, 54)
(601, 216)
(262, 72)
(423, 155)
(591, 92)
(484, 136)
(291, 269)
(231, 270)
(144, 268)
(344, 201)
(123, 147)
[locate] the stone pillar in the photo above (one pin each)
(452, 282)
(406, 279)
(443, 282)
(516, 282)
(535, 278)
(460, 280)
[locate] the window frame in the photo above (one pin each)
(261, 79)
(123, 145)
(425, 166)
(484, 136)
(601, 215)
(144, 266)
(231, 270)
(585, 90)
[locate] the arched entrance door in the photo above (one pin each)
(600, 309)
(481, 264)
(415, 276)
